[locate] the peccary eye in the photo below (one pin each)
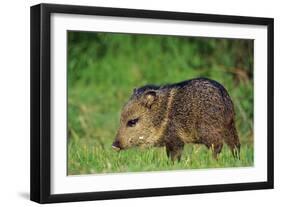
(132, 122)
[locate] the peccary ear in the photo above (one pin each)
(150, 98)
(135, 90)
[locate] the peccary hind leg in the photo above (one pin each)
(174, 150)
(232, 140)
(235, 148)
(216, 148)
(214, 141)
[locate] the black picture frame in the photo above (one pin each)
(41, 96)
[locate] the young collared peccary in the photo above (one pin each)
(194, 111)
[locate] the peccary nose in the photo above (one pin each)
(116, 145)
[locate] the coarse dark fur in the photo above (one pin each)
(194, 111)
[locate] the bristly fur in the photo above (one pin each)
(140, 90)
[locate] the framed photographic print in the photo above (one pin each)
(132, 103)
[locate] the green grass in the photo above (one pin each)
(104, 68)
(87, 156)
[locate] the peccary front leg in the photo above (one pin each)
(174, 150)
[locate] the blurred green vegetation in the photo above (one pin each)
(103, 69)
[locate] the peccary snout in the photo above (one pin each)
(116, 145)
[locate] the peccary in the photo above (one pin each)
(196, 111)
